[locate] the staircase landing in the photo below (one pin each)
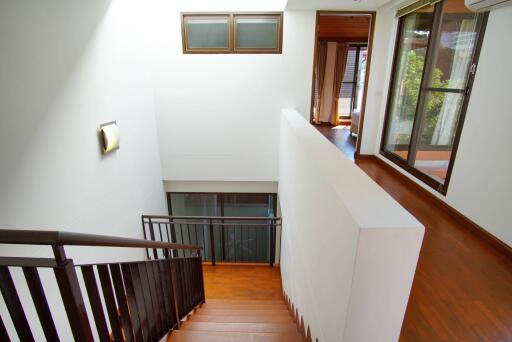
(242, 282)
(221, 320)
(243, 303)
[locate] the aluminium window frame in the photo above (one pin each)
(408, 165)
(232, 16)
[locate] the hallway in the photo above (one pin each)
(341, 137)
(462, 290)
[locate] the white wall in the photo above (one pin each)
(480, 186)
(67, 66)
(349, 251)
(382, 54)
(216, 186)
(218, 114)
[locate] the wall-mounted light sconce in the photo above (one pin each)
(109, 136)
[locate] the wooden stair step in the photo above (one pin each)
(212, 336)
(226, 312)
(241, 319)
(238, 306)
(241, 327)
(245, 301)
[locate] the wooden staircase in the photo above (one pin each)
(220, 320)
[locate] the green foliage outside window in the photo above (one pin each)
(412, 85)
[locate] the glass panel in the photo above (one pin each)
(358, 101)
(194, 204)
(350, 67)
(453, 54)
(454, 49)
(256, 33)
(247, 243)
(207, 33)
(438, 133)
(410, 61)
(346, 91)
(344, 101)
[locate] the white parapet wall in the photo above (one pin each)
(349, 250)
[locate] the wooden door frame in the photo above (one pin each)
(367, 72)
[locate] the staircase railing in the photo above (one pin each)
(223, 238)
(143, 299)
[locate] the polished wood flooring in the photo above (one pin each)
(242, 282)
(220, 320)
(243, 303)
(341, 137)
(462, 290)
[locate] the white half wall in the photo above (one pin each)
(349, 251)
(480, 184)
(218, 114)
(67, 66)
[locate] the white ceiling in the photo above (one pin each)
(340, 5)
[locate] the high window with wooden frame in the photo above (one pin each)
(436, 55)
(245, 32)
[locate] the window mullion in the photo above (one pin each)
(425, 78)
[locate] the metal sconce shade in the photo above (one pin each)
(109, 136)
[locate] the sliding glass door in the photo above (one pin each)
(240, 240)
(435, 61)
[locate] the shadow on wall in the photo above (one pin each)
(306, 333)
(36, 63)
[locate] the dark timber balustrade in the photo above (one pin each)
(144, 299)
(224, 238)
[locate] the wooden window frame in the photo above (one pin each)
(232, 16)
(405, 164)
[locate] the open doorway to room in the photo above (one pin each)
(340, 76)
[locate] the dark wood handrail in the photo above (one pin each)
(166, 227)
(252, 218)
(62, 238)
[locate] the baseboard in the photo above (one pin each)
(299, 320)
(227, 263)
(463, 220)
(358, 155)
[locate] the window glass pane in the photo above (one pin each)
(247, 243)
(256, 33)
(454, 48)
(240, 243)
(358, 101)
(452, 55)
(194, 204)
(345, 99)
(410, 61)
(346, 90)
(350, 67)
(207, 33)
(438, 133)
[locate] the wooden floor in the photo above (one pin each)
(242, 282)
(243, 303)
(220, 320)
(462, 289)
(341, 137)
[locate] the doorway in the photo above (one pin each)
(343, 42)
